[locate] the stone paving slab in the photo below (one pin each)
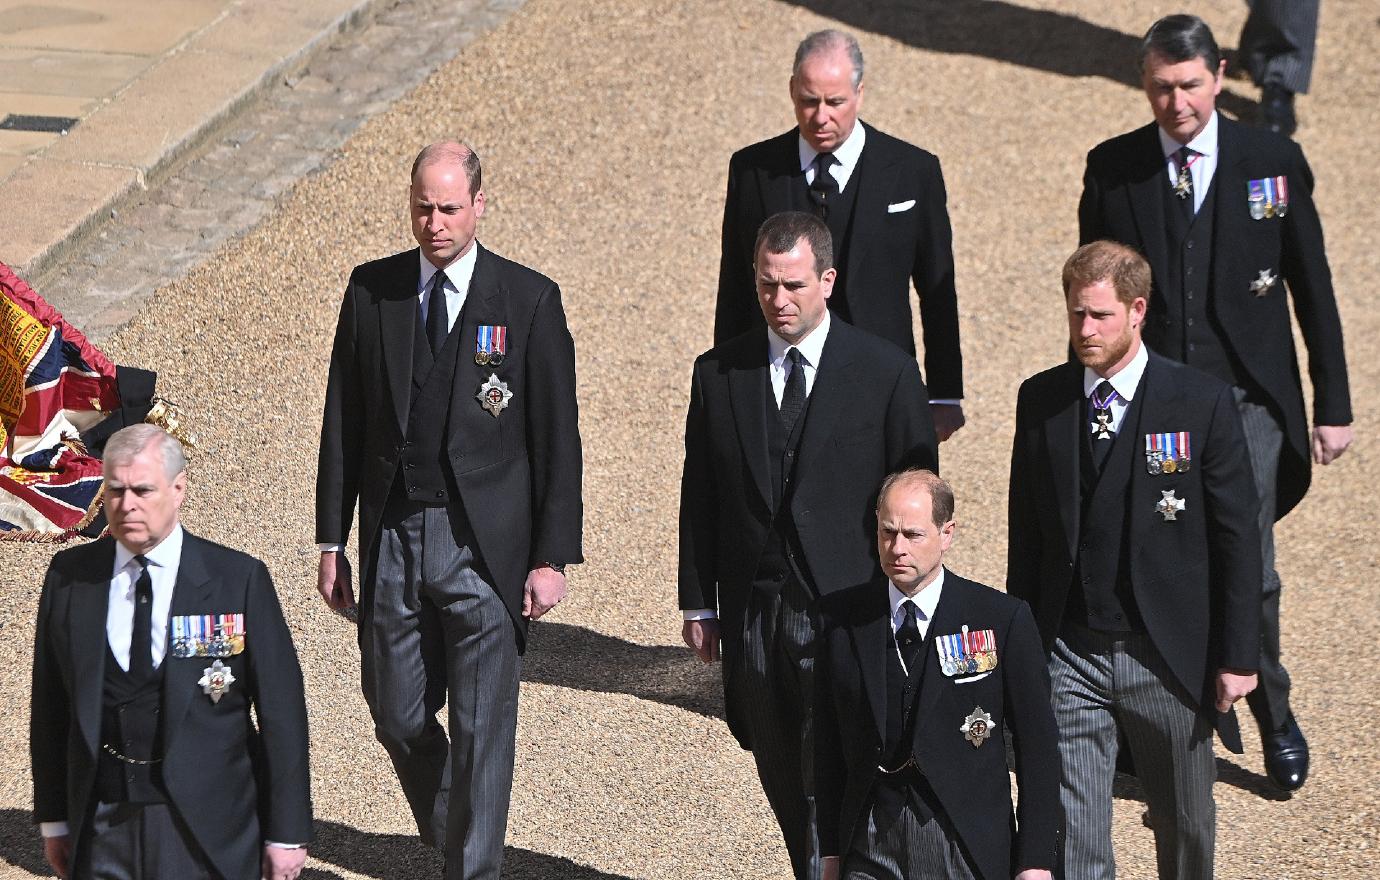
(148, 80)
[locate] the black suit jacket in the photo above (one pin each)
(234, 785)
(1123, 200)
(518, 474)
(867, 416)
(971, 783)
(887, 250)
(1196, 580)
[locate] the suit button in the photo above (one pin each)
(412, 488)
(409, 465)
(1118, 617)
(1189, 322)
(1083, 546)
(1086, 579)
(1188, 271)
(1190, 244)
(440, 494)
(790, 453)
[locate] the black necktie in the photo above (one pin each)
(1183, 186)
(141, 635)
(1100, 423)
(793, 398)
(824, 189)
(908, 636)
(436, 324)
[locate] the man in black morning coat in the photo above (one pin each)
(920, 673)
(1133, 537)
(790, 429)
(884, 202)
(451, 417)
(152, 647)
(1224, 213)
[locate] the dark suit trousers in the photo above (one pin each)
(1277, 42)
(778, 689)
(434, 631)
(140, 842)
(1269, 702)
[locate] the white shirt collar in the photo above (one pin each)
(1124, 382)
(458, 273)
(926, 601)
(847, 154)
(1205, 143)
(811, 347)
(167, 552)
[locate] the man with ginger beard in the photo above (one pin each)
(1132, 536)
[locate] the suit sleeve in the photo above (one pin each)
(50, 715)
(283, 771)
(911, 440)
(553, 437)
(1306, 270)
(1022, 538)
(1030, 715)
(831, 770)
(1090, 225)
(933, 276)
(698, 583)
(1233, 537)
(338, 460)
(737, 295)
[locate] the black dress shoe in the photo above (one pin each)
(1286, 755)
(1277, 110)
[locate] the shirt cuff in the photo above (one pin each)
(946, 401)
(330, 548)
(276, 845)
(700, 614)
(54, 829)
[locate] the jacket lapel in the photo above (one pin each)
(1145, 192)
(191, 594)
(485, 304)
(90, 603)
(871, 640)
(1227, 215)
(747, 392)
(948, 619)
(1062, 442)
(874, 169)
(397, 325)
(829, 398)
(1159, 398)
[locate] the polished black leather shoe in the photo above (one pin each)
(1286, 755)
(1277, 111)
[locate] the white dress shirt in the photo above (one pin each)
(846, 156)
(779, 367)
(1203, 169)
(164, 561)
(925, 602)
(1124, 383)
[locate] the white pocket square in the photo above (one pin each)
(898, 207)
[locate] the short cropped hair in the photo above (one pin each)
(829, 41)
(127, 444)
(458, 152)
(941, 493)
(1122, 267)
(781, 232)
(1179, 38)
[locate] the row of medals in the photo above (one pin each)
(1156, 463)
(217, 646)
(969, 664)
(488, 358)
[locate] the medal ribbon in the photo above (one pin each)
(500, 340)
(1184, 448)
(1282, 186)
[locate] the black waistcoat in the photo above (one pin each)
(426, 469)
(130, 711)
(902, 699)
(781, 556)
(1101, 596)
(1197, 338)
(840, 223)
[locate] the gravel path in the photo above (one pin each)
(605, 127)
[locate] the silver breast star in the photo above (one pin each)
(1262, 284)
(1169, 506)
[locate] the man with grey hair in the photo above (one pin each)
(451, 421)
(883, 201)
(1224, 214)
(153, 643)
(790, 429)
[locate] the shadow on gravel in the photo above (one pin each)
(1127, 788)
(20, 845)
(575, 657)
(1040, 39)
(388, 856)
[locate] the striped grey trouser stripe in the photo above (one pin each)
(434, 631)
(1277, 42)
(905, 849)
(1102, 681)
(778, 689)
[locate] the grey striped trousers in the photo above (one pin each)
(1277, 42)
(1105, 681)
